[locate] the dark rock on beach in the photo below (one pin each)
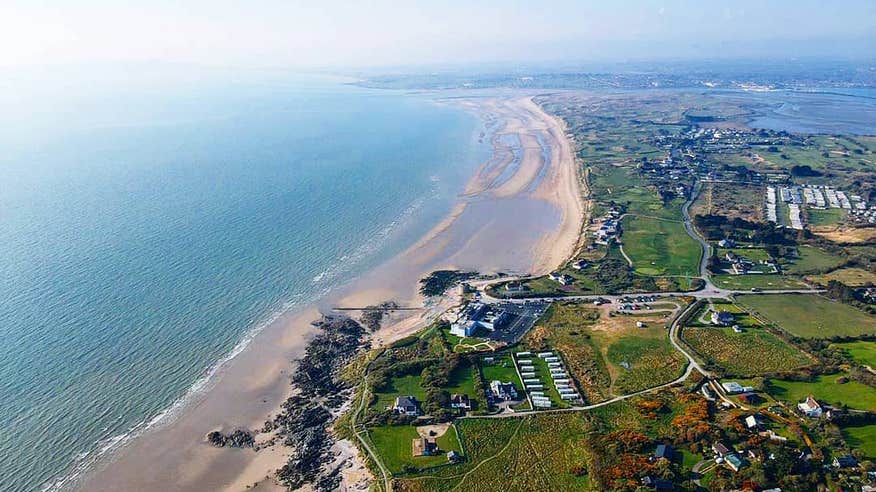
(306, 416)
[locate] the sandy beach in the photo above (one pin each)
(520, 213)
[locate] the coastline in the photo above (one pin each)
(527, 223)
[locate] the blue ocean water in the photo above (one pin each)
(147, 228)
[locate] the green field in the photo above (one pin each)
(813, 260)
(759, 281)
(810, 316)
(529, 453)
(826, 389)
(393, 444)
(651, 360)
(462, 381)
(826, 217)
(862, 352)
(502, 369)
(753, 254)
(754, 352)
(660, 247)
(862, 438)
(853, 277)
(405, 385)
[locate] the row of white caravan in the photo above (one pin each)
(535, 386)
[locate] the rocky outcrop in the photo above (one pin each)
(237, 439)
(319, 395)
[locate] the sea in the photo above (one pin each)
(153, 219)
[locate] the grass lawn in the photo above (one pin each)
(501, 369)
(810, 316)
(863, 438)
(853, 277)
(753, 352)
(827, 217)
(462, 380)
(660, 247)
(535, 452)
(826, 389)
(393, 444)
(753, 254)
(759, 281)
(813, 260)
(405, 385)
(862, 352)
(643, 359)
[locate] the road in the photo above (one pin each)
(688, 226)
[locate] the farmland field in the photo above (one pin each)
(863, 438)
(501, 454)
(765, 282)
(755, 351)
(862, 352)
(826, 389)
(827, 217)
(393, 444)
(643, 360)
(810, 316)
(660, 247)
(813, 260)
(853, 277)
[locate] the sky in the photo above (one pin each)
(354, 34)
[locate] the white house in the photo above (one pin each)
(810, 407)
(406, 405)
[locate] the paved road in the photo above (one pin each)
(691, 231)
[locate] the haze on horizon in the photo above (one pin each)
(334, 34)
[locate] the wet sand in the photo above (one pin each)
(524, 218)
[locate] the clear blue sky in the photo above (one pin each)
(380, 32)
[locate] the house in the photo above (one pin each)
(726, 243)
(503, 391)
(732, 387)
(424, 447)
(737, 329)
(845, 461)
(514, 287)
(580, 264)
(720, 449)
(454, 457)
(722, 318)
(752, 422)
(755, 454)
(810, 407)
(460, 402)
(663, 451)
(731, 257)
(566, 279)
(406, 405)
